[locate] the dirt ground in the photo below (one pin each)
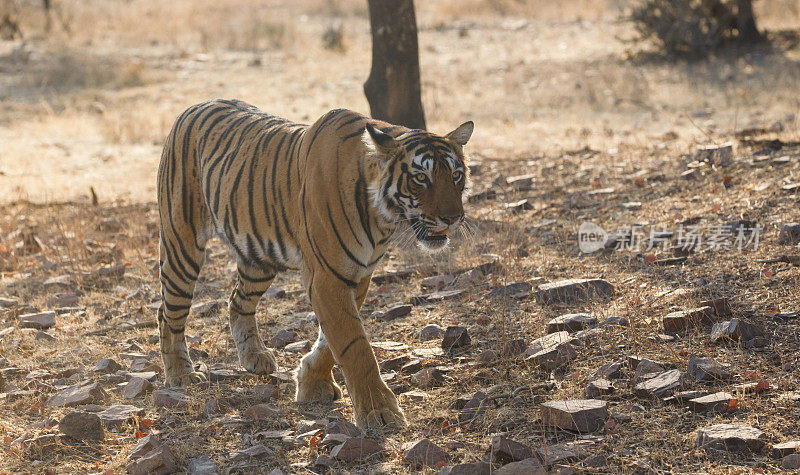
(608, 130)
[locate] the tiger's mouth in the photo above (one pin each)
(430, 239)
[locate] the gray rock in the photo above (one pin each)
(82, 426)
(159, 461)
(170, 399)
(436, 282)
(119, 415)
(8, 303)
(474, 407)
(505, 450)
(341, 426)
(208, 309)
(551, 351)
(136, 387)
(663, 384)
(437, 297)
(143, 446)
(475, 468)
(684, 319)
(785, 448)
(428, 377)
(731, 437)
(577, 415)
(202, 466)
(255, 452)
(76, 395)
(431, 331)
(518, 206)
(39, 321)
(424, 453)
(571, 322)
(706, 369)
(455, 339)
(562, 453)
(298, 347)
(573, 291)
(529, 466)
(398, 311)
(717, 402)
(356, 449)
(263, 411)
(609, 371)
(791, 462)
(599, 387)
(735, 330)
(282, 338)
(106, 365)
(519, 290)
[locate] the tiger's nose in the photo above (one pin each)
(450, 219)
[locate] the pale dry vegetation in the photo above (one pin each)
(556, 89)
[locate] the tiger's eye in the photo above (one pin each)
(420, 178)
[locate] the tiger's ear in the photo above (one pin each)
(462, 133)
(382, 142)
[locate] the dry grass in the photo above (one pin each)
(565, 100)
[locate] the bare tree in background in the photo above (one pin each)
(746, 22)
(393, 86)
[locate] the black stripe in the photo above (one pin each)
(344, 351)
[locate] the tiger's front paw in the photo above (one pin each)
(185, 379)
(379, 410)
(316, 390)
(259, 362)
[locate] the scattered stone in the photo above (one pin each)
(791, 462)
(341, 426)
(57, 281)
(117, 271)
(609, 371)
(719, 155)
(44, 336)
(717, 402)
(170, 399)
(159, 461)
(518, 206)
(303, 346)
(143, 446)
(411, 367)
(119, 415)
(251, 453)
(789, 234)
(599, 387)
(275, 293)
(519, 290)
(324, 463)
(573, 291)
(394, 364)
(428, 377)
(730, 437)
(487, 194)
(475, 468)
(202, 466)
(437, 297)
(424, 453)
(356, 449)
(208, 309)
(529, 466)
(263, 392)
(8, 303)
(39, 321)
(684, 319)
(514, 348)
(431, 331)
(136, 387)
(398, 311)
(646, 369)
(282, 338)
(106, 365)
(455, 339)
(577, 415)
(259, 412)
(563, 453)
(82, 426)
(663, 384)
(436, 282)
(521, 183)
(220, 373)
(551, 351)
(706, 369)
(505, 450)
(473, 407)
(785, 448)
(76, 395)
(571, 322)
(735, 330)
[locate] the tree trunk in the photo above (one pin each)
(746, 22)
(393, 87)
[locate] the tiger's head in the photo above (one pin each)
(423, 181)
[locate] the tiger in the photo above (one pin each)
(325, 199)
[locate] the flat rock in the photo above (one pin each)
(398, 311)
(785, 448)
(431, 331)
(473, 407)
(436, 282)
(735, 330)
(258, 412)
(577, 415)
(551, 351)
(255, 452)
(424, 453)
(144, 445)
(437, 296)
(529, 466)
(791, 462)
(562, 453)
(394, 364)
(76, 395)
(159, 461)
(136, 387)
(717, 402)
(518, 290)
(106, 365)
(428, 377)
(573, 291)
(303, 346)
(8, 303)
(684, 319)
(356, 449)
(455, 339)
(703, 369)
(208, 309)
(474, 468)
(119, 415)
(170, 399)
(202, 466)
(505, 450)
(661, 385)
(341, 426)
(730, 437)
(599, 387)
(609, 371)
(82, 426)
(571, 322)
(39, 321)
(282, 337)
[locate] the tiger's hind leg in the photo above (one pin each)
(314, 379)
(251, 284)
(180, 263)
